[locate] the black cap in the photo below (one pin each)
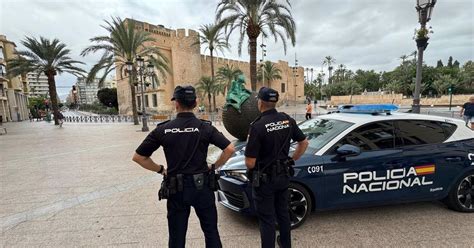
(268, 94)
(186, 94)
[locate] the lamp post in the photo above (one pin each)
(262, 61)
(74, 96)
(424, 8)
(142, 72)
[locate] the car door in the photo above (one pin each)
(435, 163)
(363, 179)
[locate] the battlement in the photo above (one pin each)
(220, 60)
(161, 30)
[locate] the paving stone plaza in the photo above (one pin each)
(76, 186)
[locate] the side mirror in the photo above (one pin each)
(348, 151)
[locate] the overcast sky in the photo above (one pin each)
(365, 34)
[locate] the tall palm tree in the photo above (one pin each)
(123, 44)
(50, 57)
(212, 37)
(226, 75)
(254, 17)
(328, 60)
(209, 87)
(270, 72)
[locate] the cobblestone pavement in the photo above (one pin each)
(77, 186)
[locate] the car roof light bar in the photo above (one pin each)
(373, 109)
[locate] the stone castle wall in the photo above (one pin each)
(188, 66)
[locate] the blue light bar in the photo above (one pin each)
(368, 108)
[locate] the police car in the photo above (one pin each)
(369, 155)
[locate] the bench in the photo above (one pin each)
(159, 117)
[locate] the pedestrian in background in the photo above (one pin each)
(270, 167)
(467, 112)
(189, 181)
(60, 118)
(309, 111)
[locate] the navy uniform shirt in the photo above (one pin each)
(468, 109)
(268, 135)
(179, 138)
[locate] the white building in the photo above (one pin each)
(38, 83)
(87, 92)
(110, 83)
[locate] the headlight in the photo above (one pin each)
(238, 174)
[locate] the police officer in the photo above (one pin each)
(185, 141)
(266, 156)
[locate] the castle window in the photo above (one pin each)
(283, 88)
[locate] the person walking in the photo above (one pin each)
(60, 118)
(188, 181)
(270, 167)
(467, 112)
(309, 111)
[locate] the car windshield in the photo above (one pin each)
(319, 132)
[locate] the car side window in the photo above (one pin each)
(420, 132)
(370, 137)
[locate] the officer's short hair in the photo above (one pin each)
(269, 104)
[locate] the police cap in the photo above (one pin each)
(268, 94)
(185, 95)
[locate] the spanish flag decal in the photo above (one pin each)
(425, 169)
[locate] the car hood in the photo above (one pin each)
(237, 162)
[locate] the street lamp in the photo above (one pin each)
(424, 8)
(142, 72)
(262, 65)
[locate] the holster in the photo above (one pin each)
(213, 180)
(164, 192)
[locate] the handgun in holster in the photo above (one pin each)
(213, 179)
(164, 192)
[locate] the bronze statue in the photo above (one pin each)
(237, 93)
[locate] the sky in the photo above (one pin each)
(361, 34)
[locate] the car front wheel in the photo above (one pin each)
(461, 196)
(299, 204)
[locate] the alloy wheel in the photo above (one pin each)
(297, 206)
(466, 192)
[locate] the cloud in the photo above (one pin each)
(366, 34)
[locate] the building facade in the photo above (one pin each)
(188, 65)
(38, 82)
(87, 92)
(13, 90)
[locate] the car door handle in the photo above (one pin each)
(453, 159)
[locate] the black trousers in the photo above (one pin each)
(308, 116)
(179, 207)
(271, 201)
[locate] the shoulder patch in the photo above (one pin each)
(206, 121)
(161, 123)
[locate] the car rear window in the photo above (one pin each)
(421, 132)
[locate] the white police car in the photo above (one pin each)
(370, 155)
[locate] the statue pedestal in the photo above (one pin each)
(237, 124)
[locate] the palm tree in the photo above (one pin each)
(403, 58)
(254, 17)
(209, 87)
(123, 44)
(48, 56)
(226, 75)
(270, 72)
(212, 38)
(328, 60)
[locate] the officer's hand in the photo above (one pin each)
(165, 172)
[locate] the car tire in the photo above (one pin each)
(299, 204)
(461, 196)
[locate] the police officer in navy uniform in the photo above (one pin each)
(185, 141)
(266, 156)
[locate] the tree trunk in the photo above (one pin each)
(53, 95)
(214, 101)
(330, 78)
(253, 63)
(209, 99)
(212, 78)
(134, 99)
